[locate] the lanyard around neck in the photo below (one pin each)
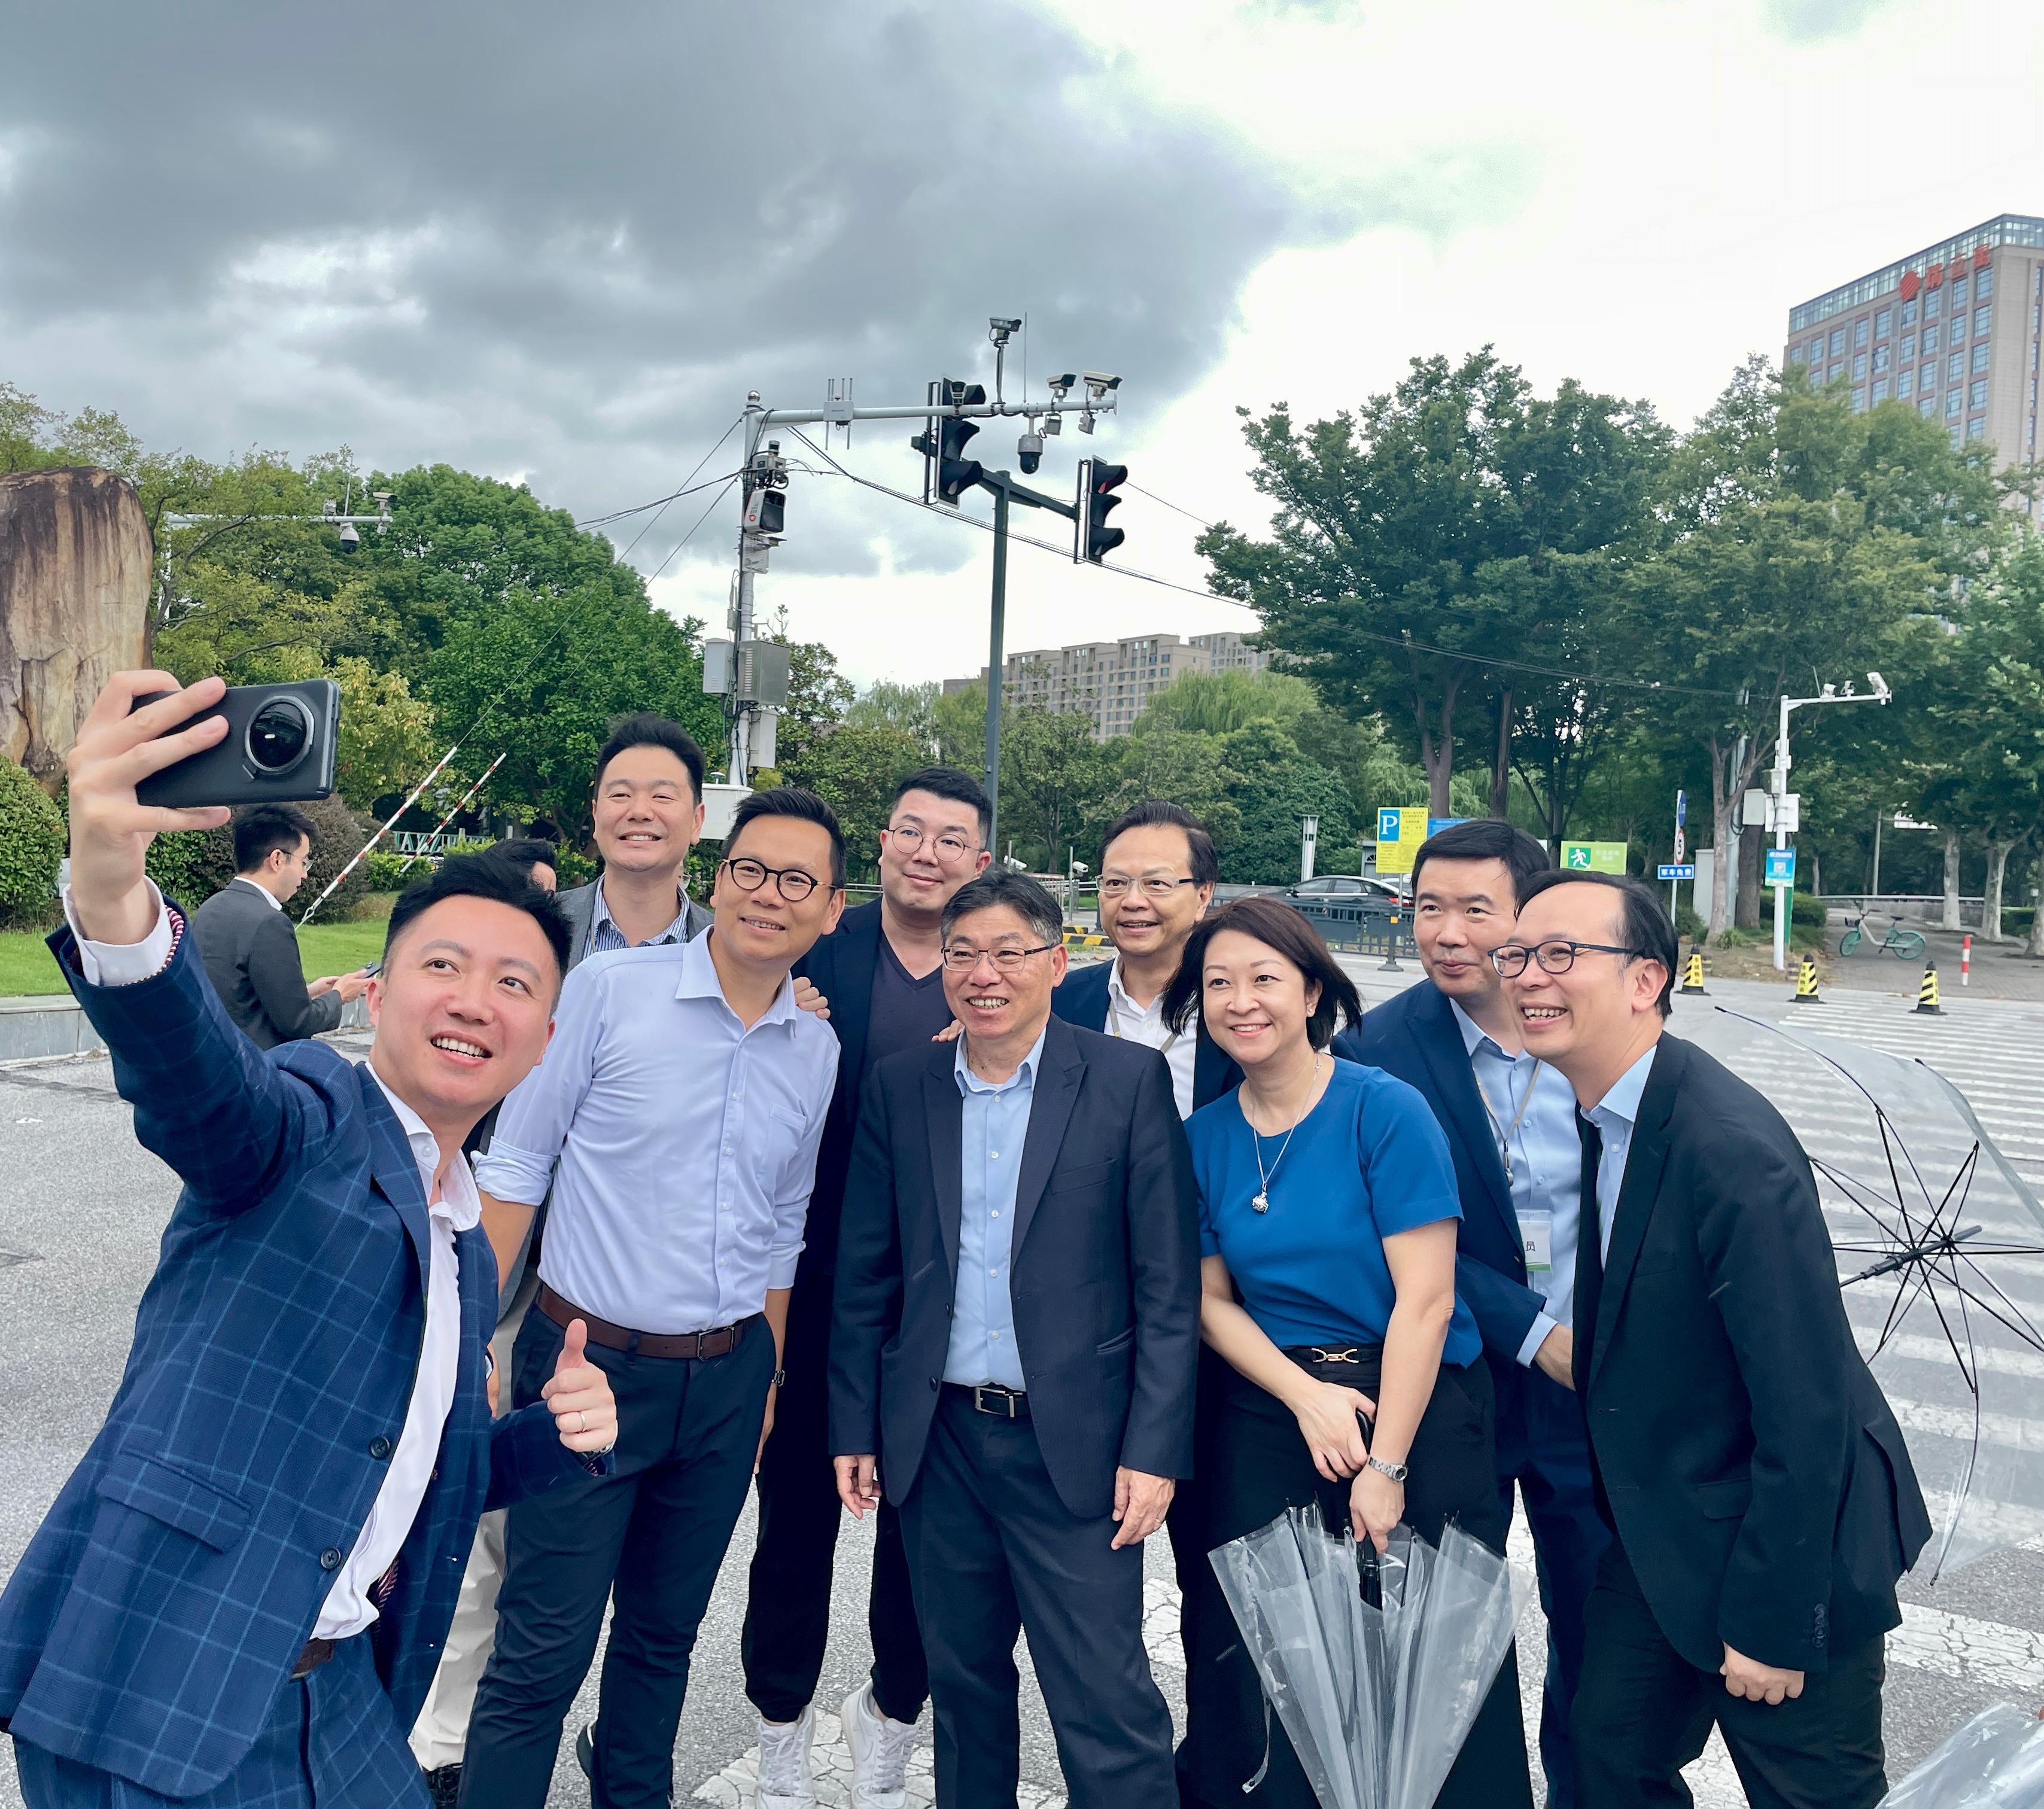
(1114, 1025)
(1504, 1133)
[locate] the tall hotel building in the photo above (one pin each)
(1112, 681)
(1953, 331)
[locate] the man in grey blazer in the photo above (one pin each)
(248, 944)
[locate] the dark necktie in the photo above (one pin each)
(1589, 1252)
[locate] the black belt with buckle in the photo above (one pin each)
(991, 1397)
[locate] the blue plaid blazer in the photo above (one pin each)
(157, 1612)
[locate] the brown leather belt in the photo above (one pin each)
(316, 1653)
(718, 1342)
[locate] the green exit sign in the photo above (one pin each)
(1593, 857)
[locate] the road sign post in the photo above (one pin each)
(1399, 831)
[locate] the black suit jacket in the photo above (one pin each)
(1414, 1036)
(1082, 1000)
(1104, 1277)
(250, 953)
(840, 966)
(1756, 1480)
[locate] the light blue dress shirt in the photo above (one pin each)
(1615, 1116)
(995, 1124)
(1542, 1154)
(682, 1146)
(604, 935)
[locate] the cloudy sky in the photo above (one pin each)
(561, 244)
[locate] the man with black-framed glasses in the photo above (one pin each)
(1760, 1496)
(1019, 1240)
(881, 970)
(677, 1118)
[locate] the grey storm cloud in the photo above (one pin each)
(563, 244)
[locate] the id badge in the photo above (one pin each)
(1536, 1234)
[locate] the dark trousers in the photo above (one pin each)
(332, 1739)
(1261, 1467)
(1543, 1446)
(787, 1600)
(994, 1550)
(655, 1533)
(1643, 1712)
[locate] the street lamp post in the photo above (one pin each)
(1778, 807)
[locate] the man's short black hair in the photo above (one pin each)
(525, 851)
(482, 875)
(959, 787)
(1153, 812)
(791, 801)
(1021, 894)
(1649, 931)
(1485, 839)
(646, 730)
(262, 828)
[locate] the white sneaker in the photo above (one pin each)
(879, 1751)
(784, 1764)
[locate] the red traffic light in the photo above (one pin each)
(1098, 481)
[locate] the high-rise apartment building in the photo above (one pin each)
(1112, 681)
(1953, 331)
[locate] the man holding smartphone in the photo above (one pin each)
(240, 1594)
(247, 942)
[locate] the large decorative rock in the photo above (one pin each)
(75, 562)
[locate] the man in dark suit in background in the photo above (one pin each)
(247, 941)
(1013, 1355)
(1157, 875)
(1511, 1123)
(1761, 1498)
(881, 971)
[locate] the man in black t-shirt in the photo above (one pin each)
(882, 973)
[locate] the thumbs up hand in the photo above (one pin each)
(579, 1393)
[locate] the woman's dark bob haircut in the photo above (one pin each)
(1270, 920)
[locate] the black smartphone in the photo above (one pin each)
(279, 748)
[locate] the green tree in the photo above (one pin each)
(910, 708)
(960, 717)
(855, 768)
(32, 843)
(1184, 766)
(1218, 703)
(1458, 523)
(818, 697)
(1054, 781)
(1275, 787)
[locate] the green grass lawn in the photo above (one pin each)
(26, 967)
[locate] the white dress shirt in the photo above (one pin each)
(1616, 1115)
(681, 1145)
(1145, 1024)
(350, 1604)
(1543, 1156)
(274, 901)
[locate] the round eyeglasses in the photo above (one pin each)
(948, 849)
(792, 883)
(1557, 956)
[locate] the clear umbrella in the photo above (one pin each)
(1940, 1245)
(1376, 1667)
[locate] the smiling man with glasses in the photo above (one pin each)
(1013, 1356)
(1760, 1495)
(677, 1117)
(881, 971)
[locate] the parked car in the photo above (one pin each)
(1332, 888)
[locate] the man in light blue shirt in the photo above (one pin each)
(676, 1117)
(995, 1119)
(1616, 1115)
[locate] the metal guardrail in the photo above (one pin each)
(1358, 928)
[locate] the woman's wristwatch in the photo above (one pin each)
(1397, 1472)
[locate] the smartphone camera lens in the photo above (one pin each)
(278, 737)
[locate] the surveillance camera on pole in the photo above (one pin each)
(349, 539)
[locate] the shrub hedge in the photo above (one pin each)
(32, 843)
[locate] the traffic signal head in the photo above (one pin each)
(948, 473)
(1098, 481)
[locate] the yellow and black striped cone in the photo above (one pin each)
(1806, 983)
(1927, 994)
(1692, 974)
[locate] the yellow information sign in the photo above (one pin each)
(1398, 834)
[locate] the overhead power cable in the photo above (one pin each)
(1401, 641)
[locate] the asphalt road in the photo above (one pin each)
(82, 1208)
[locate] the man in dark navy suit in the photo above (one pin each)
(1157, 877)
(241, 1594)
(881, 971)
(1017, 1313)
(1510, 1124)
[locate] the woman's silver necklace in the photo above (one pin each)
(1262, 1202)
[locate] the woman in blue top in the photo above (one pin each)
(1354, 1377)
